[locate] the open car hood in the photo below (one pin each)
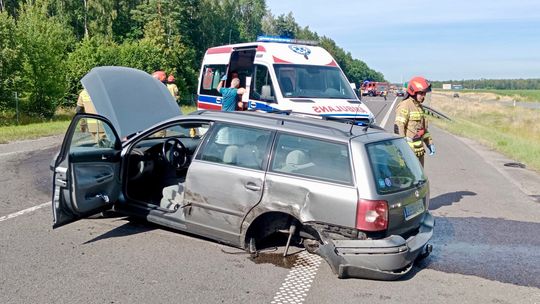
(131, 99)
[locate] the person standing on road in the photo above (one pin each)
(230, 95)
(85, 105)
(91, 125)
(161, 76)
(410, 118)
(171, 86)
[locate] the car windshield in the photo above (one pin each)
(395, 167)
(311, 81)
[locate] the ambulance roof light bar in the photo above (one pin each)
(279, 39)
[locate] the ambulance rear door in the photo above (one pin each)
(242, 62)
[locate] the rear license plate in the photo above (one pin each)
(413, 209)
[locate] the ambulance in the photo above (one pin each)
(281, 75)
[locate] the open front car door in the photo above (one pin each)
(86, 178)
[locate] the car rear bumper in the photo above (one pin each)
(385, 259)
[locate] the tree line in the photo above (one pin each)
(47, 46)
(493, 84)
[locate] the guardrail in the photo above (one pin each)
(435, 113)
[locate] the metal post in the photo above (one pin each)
(17, 107)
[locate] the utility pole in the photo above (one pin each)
(2, 8)
(85, 18)
(17, 106)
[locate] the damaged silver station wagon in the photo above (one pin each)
(355, 195)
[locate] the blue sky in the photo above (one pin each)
(440, 39)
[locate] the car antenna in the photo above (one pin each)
(355, 113)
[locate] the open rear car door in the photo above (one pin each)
(86, 178)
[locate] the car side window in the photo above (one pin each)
(235, 145)
(92, 132)
(313, 158)
(210, 79)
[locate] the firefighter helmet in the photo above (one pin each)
(170, 79)
(418, 84)
(160, 75)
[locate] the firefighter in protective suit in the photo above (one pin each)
(411, 122)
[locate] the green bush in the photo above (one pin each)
(10, 63)
(89, 53)
(45, 43)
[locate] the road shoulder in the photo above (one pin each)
(528, 181)
(22, 146)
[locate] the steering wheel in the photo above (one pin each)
(175, 153)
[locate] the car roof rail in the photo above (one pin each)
(288, 116)
(291, 114)
(198, 112)
(356, 122)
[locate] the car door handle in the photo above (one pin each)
(102, 178)
(104, 197)
(252, 186)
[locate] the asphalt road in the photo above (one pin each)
(486, 244)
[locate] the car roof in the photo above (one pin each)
(310, 126)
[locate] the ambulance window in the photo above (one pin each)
(210, 79)
(262, 87)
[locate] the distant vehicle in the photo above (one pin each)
(456, 95)
(400, 93)
(368, 88)
(382, 91)
(374, 88)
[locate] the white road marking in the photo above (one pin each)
(10, 153)
(9, 216)
(298, 281)
(385, 119)
(4, 154)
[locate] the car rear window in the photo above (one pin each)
(395, 167)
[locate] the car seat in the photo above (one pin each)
(230, 155)
(173, 196)
(296, 160)
(266, 92)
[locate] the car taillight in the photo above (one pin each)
(371, 215)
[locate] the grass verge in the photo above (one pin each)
(514, 132)
(31, 131)
(41, 129)
(518, 95)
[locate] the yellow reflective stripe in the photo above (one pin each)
(414, 115)
(401, 119)
(404, 112)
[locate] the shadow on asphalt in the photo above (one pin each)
(134, 225)
(492, 248)
(131, 227)
(448, 199)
